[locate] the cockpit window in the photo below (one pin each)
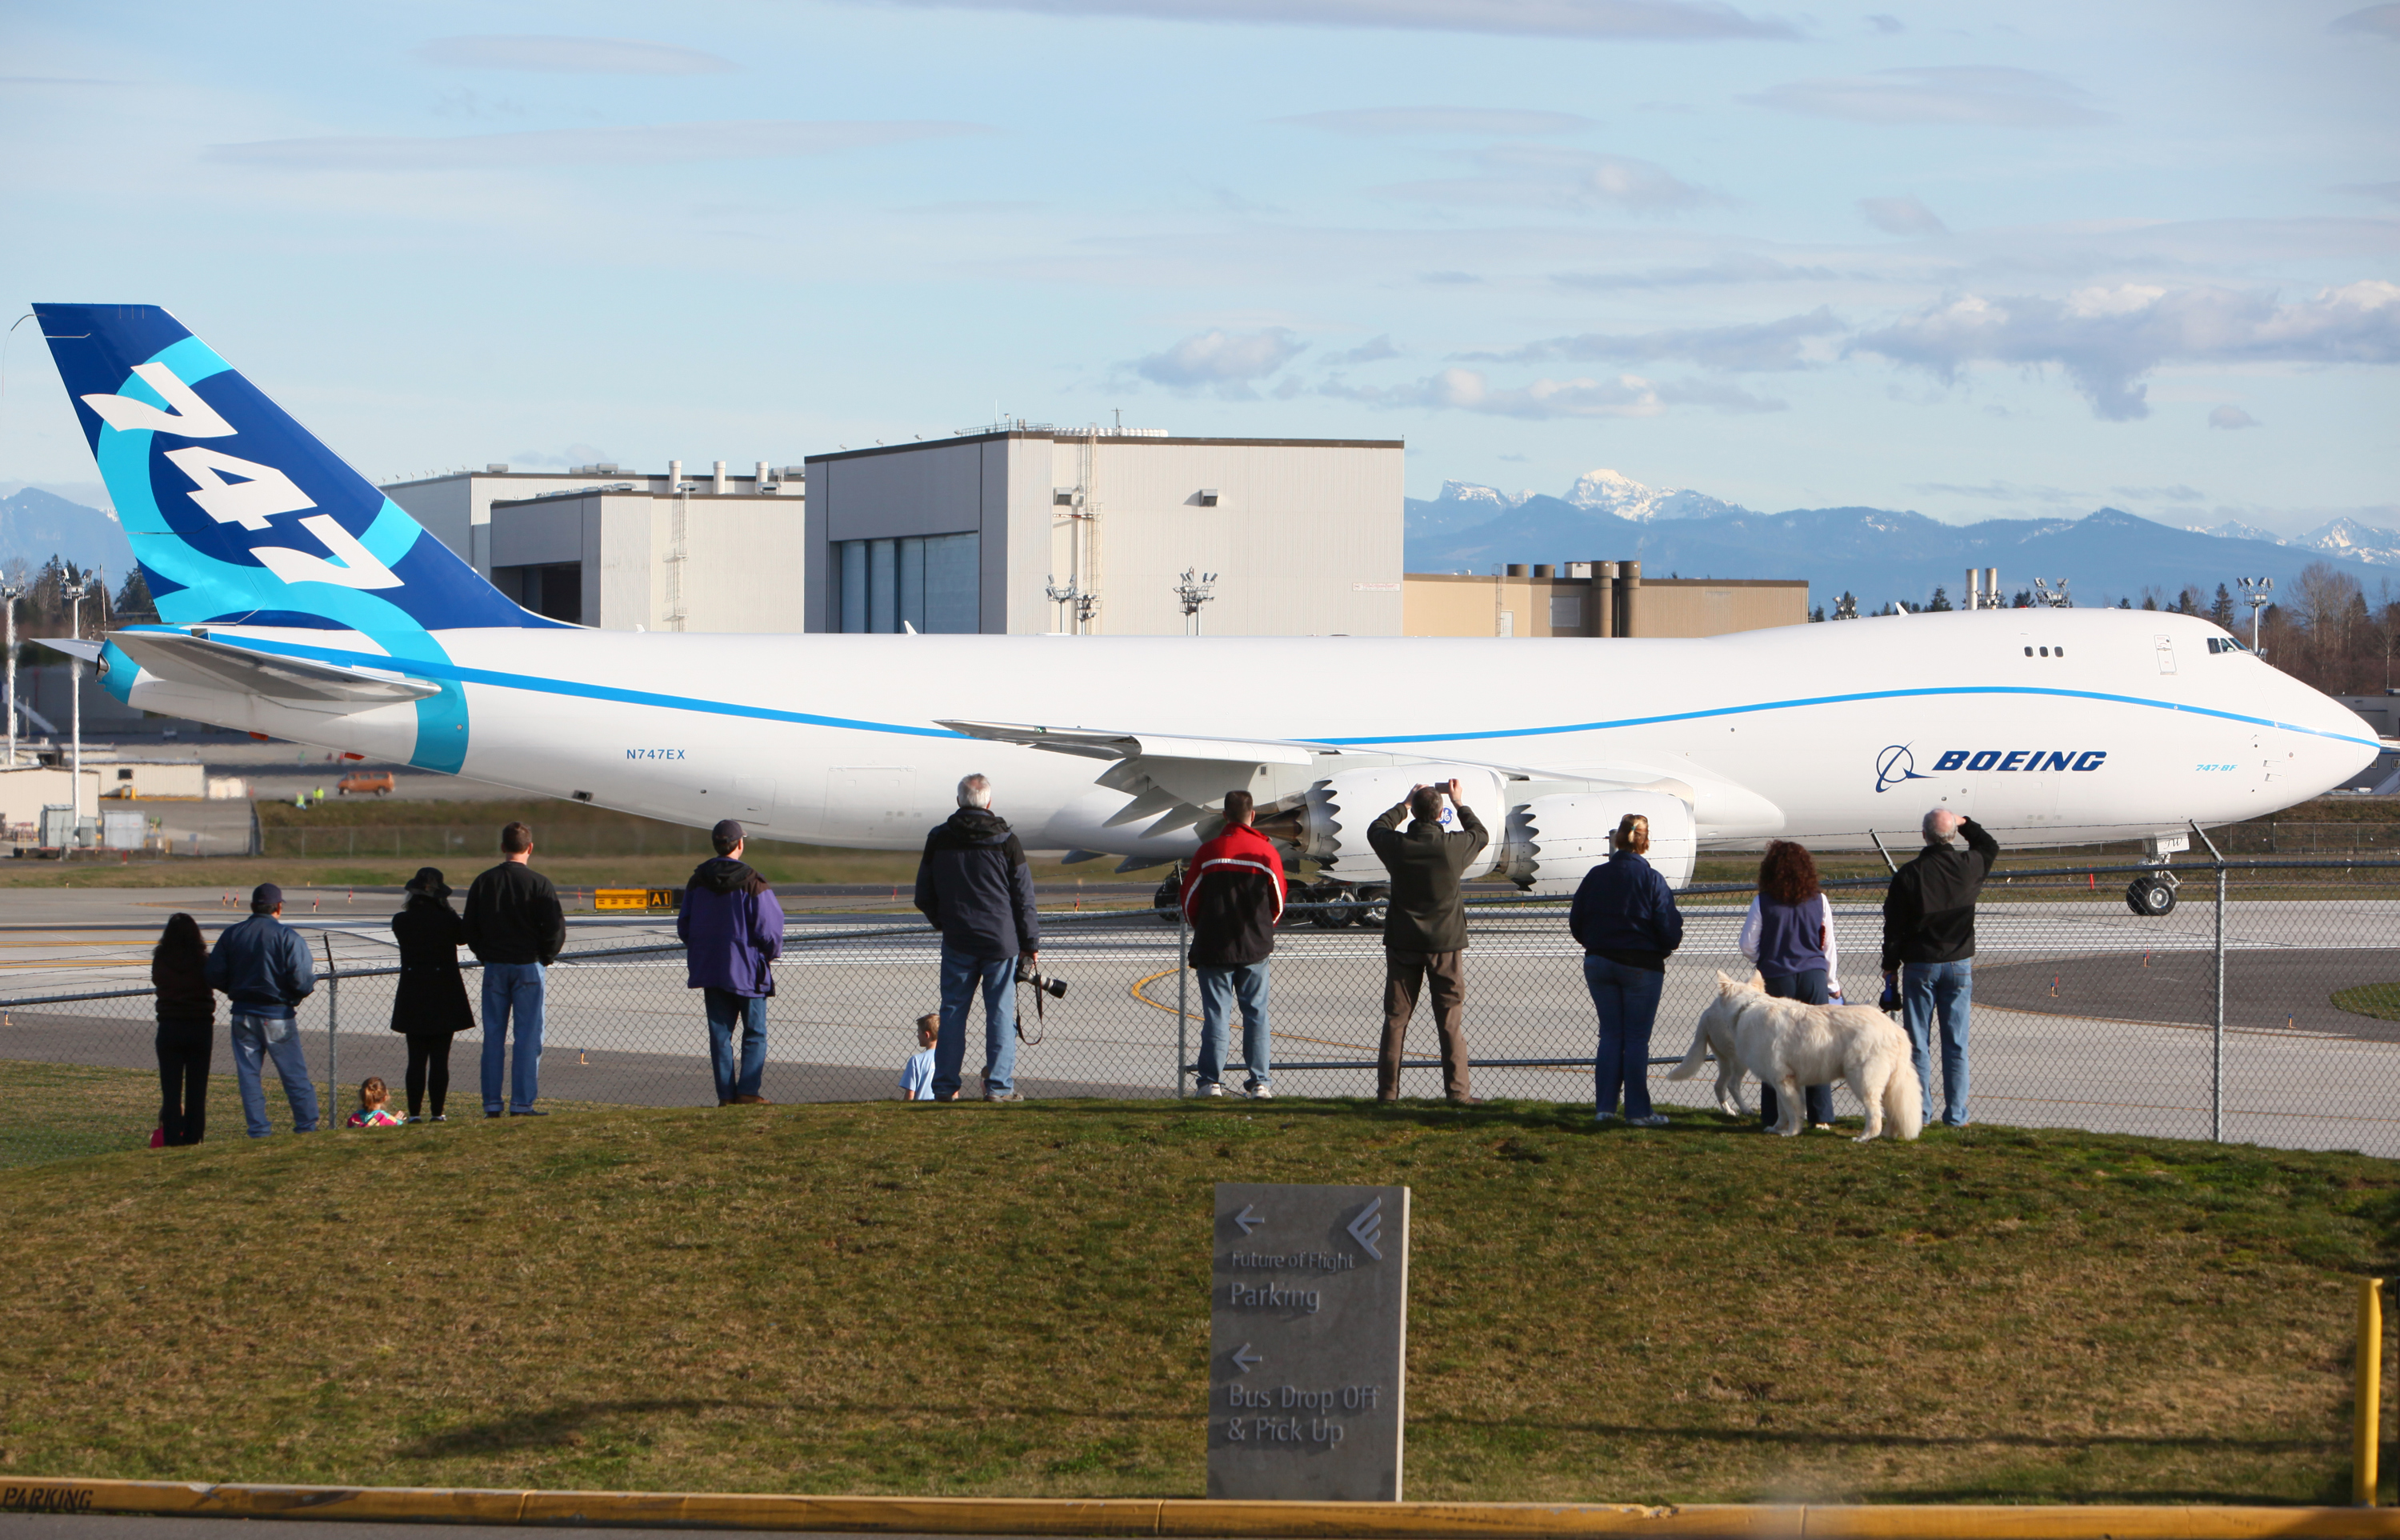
(2225, 644)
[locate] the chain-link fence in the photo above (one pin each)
(2271, 1016)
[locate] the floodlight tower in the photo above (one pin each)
(10, 594)
(1193, 590)
(2254, 593)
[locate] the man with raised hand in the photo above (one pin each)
(1425, 931)
(514, 925)
(264, 968)
(973, 884)
(1928, 940)
(732, 930)
(1232, 896)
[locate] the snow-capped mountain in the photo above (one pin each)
(1476, 492)
(2235, 530)
(2356, 541)
(1607, 492)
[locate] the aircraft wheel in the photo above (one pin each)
(1334, 910)
(2150, 896)
(1168, 900)
(1375, 907)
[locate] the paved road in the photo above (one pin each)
(624, 1027)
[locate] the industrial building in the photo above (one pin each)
(1597, 599)
(1024, 527)
(628, 552)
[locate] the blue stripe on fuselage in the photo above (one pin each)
(444, 669)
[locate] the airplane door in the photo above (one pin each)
(874, 802)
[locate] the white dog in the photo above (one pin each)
(1790, 1045)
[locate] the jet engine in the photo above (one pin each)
(1553, 841)
(1329, 825)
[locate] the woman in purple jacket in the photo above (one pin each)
(732, 930)
(1789, 933)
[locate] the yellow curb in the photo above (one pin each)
(1184, 1518)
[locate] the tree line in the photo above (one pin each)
(46, 596)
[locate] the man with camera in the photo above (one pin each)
(1232, 896)
(1424, 929)
(973, 884)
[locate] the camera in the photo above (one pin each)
(1054, 987)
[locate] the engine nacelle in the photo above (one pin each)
(1331, 826)
(1554, 841)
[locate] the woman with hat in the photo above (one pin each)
(431, 1002)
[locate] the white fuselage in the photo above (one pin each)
(1820, 732)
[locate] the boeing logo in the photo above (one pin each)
(1898, 762)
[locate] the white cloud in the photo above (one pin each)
(644, 144)
(1502, 122)
(2176, 494)
(2376, 20)
(2107, 339)
(1984, 94)
(2231, 417)
(1648, 20)
(569, 56)
(1887, 24)
(1374, 350)
(1761, 346)
(1732, 267)
(1901, 216)
(1226, 361)
(1625, 396)
(1558, 178)
(2388, 191)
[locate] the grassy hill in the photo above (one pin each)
(1013, 1301)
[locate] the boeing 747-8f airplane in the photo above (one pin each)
(301, 603)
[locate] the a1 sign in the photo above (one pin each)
(1308, 1342)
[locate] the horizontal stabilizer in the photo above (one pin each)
(182, 658)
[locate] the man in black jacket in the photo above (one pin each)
(1929, 940)
(973, 884)
(1424, 929)
(514, 925)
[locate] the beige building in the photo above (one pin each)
(1596, 599)
(629, 560)
(1025, 527)
(457, 507)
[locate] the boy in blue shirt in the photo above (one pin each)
(916, 1079)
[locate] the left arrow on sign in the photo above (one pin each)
(1246, 1360)
(1248, 1220)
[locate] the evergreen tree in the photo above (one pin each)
(1940, 604)
(2148, 601)
(2222, 610)
(133, 603)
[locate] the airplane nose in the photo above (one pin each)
(2341, 742)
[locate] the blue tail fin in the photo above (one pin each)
(236, 514)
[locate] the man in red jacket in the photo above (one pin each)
(1232, 896)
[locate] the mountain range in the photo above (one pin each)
(35, 526)
(1874, 554)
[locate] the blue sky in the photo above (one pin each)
(1975, 260)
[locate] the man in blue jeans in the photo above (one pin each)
(973, 884)
(732, 930)
(263, 967)
(514, 925)
(1232, 896)
(1928, 940)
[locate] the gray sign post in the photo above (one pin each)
(1308, 1342)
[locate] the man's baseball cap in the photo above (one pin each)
(265, 898)
(727, 835)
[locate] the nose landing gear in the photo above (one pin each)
(2152, 895)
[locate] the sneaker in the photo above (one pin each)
(1259, 1093)
(1605, 1117)
(1211, 1088)
(438, 1117)
(1648, 1120)
(1003, 1095)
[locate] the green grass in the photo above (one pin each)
(1014, 1300)
(2380, 1001)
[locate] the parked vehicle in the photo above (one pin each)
(377, 781)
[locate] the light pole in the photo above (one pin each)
(2254, 593)
(10, 594)
(75, 703)
(1195, 588)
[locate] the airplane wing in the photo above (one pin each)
(180, 657)
(1172, 778)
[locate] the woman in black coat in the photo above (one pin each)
(431, 1002)
(187, 1016)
